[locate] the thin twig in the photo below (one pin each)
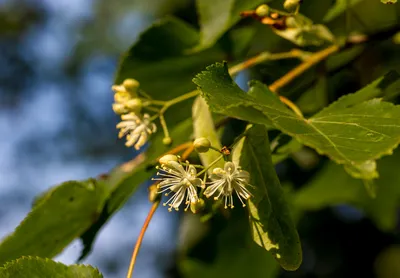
(140, 238)
(325, 53)
(264, 56)
(311, 61)
(187, 152)
(177, 149)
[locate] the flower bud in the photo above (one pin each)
(167, 141)
(119, 108)
(263, 10)
(118, 88)
(153, 193)
(291, 5)
(202, 145)
(122, 96)
(131, 85)
(135, 105)
(167, 158)
(198, 206)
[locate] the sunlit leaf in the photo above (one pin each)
(203, 126)
(354, 131)
(301, 31)
(270, 219)
(35, 267)
(61, 216)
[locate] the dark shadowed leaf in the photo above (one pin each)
(216, 17)
(333, 186)
(157, 60)
(233, 256)
(340, 7)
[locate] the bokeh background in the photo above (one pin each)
(57, 64)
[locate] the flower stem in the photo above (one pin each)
(215, 149)
(265, 56)
(195, 165)
(178, 99)
(157, 102)
(164, 125)
(153, 109)
(166, 105)
(140, 238)
(209, 166)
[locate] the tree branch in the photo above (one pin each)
(325, 53)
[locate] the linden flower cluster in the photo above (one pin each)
(182, 181)
(137, 127)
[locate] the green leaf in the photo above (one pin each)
(35, 267)
(316, 97)
(373, 90)
(158, 61)
(270, 218)
(124, 180)
(338, 8)
(203, 126)
(216, 17)
(353, 131)
(229, 99)
(282, 152)
(62, 215)
(333, 186)
(241, 39)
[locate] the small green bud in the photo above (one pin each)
(197, 206)
(202, 145)
(167, 158)
(291, 5)
(119, 108)
(167, 141)
(263, 10)
(135, 105)
(131, 84)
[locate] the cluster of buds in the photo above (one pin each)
(182, 181)
(137, 127)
